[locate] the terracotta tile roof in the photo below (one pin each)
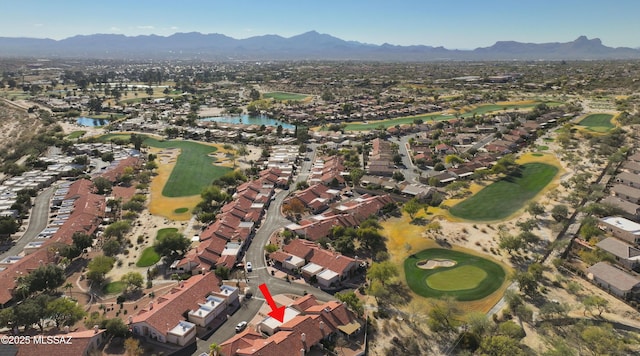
(169, 308)
(240, 341)
(114, 173)
(124, 193)
(80, 343)
(22, 267)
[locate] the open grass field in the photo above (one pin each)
(597, 122)
(194, 168)
(448, 115)
(507, 195)
(472, 277)
(277, 95)
(149, 257)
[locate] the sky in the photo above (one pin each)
(454, 24)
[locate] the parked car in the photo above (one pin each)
(249, 267)
(241, 326)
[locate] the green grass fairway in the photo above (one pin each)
(113, 287)
(277, 95)
(472, 277)
(181, 210)
(148, 258)
(506, 196)
(542, 148)
(76, 134)
(461, 278)
(432, 117)
(194, 168)
(164, 232)
(597, 122)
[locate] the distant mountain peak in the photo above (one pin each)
(309, 45)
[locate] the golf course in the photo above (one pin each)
(597, 123)
(437, 272)
(504, 197)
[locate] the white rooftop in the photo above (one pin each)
(312, 268)
(289, 313)
(623, 224)
(182, 328)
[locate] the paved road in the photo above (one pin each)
(38, 220)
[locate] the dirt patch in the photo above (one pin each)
(433, 264)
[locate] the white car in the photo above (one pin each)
(249, 267)
(241, 325)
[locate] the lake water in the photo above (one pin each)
(250, 120)
(91, 122)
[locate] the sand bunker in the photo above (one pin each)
(431, 264)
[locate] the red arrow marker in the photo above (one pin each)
(276, 313)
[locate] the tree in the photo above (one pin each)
(478, 323)
(117, 229)
(441, 316)
(132, 347)
(527, 283)
(107, 157)
(65, 312)
(98, 267)
(594, 301)
(356, 174)
(559, 212)
(8, 225)
(535, 209)
(136, 140)
(214, 349)
(453, 159)
(45, 278)
(398, 176)
(511, 329)
(500, 345)
(411, 207)
(172, 244)
(510, 242)
(32, 311)
(353, 302)
(371, 239)
(102, 185)
(111, 247)
(82, 240)
(222, 272)
(116, 327)
(602, 340)
(68, 286)
(382, 271)
(133, 280)
(529, 237)
(552, 310)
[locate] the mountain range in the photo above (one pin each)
(307, 46)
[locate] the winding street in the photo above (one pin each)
(274, 221)
(38, 220)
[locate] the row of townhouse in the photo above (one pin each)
(347, 214)
(328, 171)
(311, 260)
(619, 278)
(196, 304)
(79, 209)
(316, 198)
(305, 325)
(224, 241)
(626, 189)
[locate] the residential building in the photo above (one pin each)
(624, 253)
(614, 280)
(621, 228)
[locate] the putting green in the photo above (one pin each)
(461, 278)
(471, 278)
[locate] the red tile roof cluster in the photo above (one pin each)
(349, 214)
(169, 309)
(86, 217)
(116, 172)
(316, 198)
(315, 323)
(311, 252)
(250, 200)
(329, 171)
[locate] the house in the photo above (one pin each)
(306, 323)
(626, 192)
(614, 280)
(81, 343)
(319, 260)
(631, 167)
(164, 321)
(629, 179)
(624, 253)
(621, 228)
(631, 210)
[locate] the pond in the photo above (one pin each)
(250, 120)
(91, 122)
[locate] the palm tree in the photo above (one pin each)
(214, 349)
(68, 287)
